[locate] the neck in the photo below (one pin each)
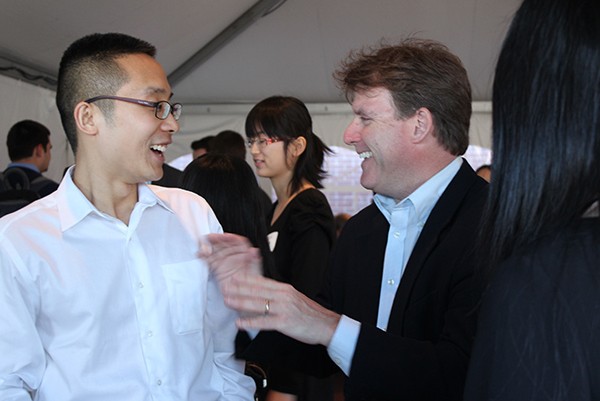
(108, 195)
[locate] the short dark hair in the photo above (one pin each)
(230, 143)
(203, 143)
(417, 73)
(89, 68)
(287, 118)
(24, 136)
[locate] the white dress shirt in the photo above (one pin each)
(407, 218)
(94, 309)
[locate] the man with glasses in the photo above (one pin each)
(103, 295)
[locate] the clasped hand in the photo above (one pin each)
(263, 303)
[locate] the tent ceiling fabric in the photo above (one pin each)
(292, 50)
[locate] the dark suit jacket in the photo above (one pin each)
(425, 351)
(38, 183)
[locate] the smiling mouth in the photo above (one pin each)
(365, 155)
(159, 148)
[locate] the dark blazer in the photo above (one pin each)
(425, 351)
(38, 183)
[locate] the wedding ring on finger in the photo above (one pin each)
(267, 307)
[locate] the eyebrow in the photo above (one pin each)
(154, 90)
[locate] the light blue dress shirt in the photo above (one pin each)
(30, 166)
(407, 218)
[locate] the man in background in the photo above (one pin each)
(230, 143)
(29, 149)
(201, 146)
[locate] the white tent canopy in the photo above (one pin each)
(330, 119)
(224, 56)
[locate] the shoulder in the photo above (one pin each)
(368, 216)
(310, 202)
(368, 223)
(310, 198)
(179, 198)
(560, 267)
(191, 209)
(309, 208)
(32, 217)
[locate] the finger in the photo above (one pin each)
(253, 286)
(225, 240)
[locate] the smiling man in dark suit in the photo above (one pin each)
(401, 292)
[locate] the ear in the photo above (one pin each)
(423, 125)
(297, 146)
(39, 150)
(86, 118)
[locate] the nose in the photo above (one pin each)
(254, 150)
(352, 133)
(170, 124)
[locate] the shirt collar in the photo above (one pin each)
(73, 206)
(30, 166)
(423, 198)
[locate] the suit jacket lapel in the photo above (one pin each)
(441, 215)
(370, 264)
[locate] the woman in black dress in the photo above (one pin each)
(302, 229)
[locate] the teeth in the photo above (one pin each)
(365, 155)
(159, 148)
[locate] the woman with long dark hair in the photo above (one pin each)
(538, 327)
(229, 186)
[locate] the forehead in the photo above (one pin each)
(145, 75)
(374, 101)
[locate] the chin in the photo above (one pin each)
(366, 183)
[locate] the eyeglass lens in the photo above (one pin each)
(163, 109)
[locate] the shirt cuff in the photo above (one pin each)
(343, 343)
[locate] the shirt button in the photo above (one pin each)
(159, 382)
(141, 285)
(397, 234)
(391, 281)
(149, 333)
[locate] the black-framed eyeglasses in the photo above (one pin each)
(162, 109)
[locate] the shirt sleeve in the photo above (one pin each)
(343, 343)
(23, 359)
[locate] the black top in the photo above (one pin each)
(540, 320)
(301, 240)
(304, 233)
